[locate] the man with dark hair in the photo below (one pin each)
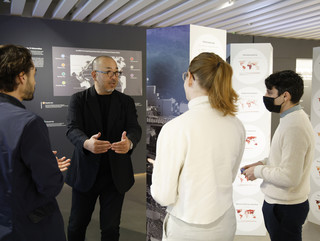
(103, 127)
(30, 178)
(286, 172)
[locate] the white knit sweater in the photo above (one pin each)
(286, 173)
(198, 157)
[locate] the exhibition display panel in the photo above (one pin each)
(251, 64)
(314, 197)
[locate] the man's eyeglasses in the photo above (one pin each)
(110, 73)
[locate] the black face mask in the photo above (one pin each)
(269, 103)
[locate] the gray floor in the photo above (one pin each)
(311, 232)
(133, 222)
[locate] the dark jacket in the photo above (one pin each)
(85, 120)
(29, 177)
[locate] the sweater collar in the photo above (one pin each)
(201, 100)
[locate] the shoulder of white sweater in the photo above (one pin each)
(196, 114)
(296, 125)
(296, 113)
(295, 117)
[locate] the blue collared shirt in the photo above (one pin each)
(290, 110)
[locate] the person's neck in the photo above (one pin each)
(196, 91)
(14, 94)
(197, 94)
(287, 107)
(103, 92)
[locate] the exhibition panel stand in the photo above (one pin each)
(314, 197)
(251, 64)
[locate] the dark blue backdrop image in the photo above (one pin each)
(167, 59)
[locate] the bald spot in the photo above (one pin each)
(97, 61)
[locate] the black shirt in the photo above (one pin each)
(104, 171)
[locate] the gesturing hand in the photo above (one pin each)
(63, 162)
(151, 161)
(96, 146)
(123, 146)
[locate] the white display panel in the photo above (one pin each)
(204, 39)
(252, 64)
(316, 68)
(314, 197)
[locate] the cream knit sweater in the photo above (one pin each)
(198, 157)
(286, 173)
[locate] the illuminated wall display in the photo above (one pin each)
(72, 69)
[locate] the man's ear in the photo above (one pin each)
(287, 96)
(20, 78)
(93, 74)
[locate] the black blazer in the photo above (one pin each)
(85, 120)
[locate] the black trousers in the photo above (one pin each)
(83, 206)
(284, 222)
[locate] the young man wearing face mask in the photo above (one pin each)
(286, 172)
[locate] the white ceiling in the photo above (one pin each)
(272, 18)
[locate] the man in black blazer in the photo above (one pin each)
(103, 127)
(30, 178)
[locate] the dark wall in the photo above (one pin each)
(42, 33)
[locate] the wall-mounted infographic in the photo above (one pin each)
(314, 198)
(72, 69)
(251, 64)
